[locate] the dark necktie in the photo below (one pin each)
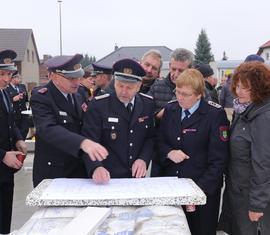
(69, 98)
(187, 114)
(129, 108)
(3, 100)
(17, 89)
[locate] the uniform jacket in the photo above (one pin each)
(58, 138)
(19, 105)
(126, 139)
(9, 135)
(211, 92)
(84, 92)
(248, 177)
(203, 137)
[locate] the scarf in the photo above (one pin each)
(240, 107)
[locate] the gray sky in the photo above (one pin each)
(238, 27)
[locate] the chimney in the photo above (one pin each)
(116, 47)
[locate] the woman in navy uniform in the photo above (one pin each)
(57, 113)
(10, 140)
(193, 143)
(123, 123)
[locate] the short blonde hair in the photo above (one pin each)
(192, 78)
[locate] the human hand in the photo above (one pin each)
(21, 146)
(11, 160)
(139, 168)
(101, 175)
(177, 156)
(254, 216)
(94, 150)
(16, 97)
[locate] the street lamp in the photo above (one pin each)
(60, 23)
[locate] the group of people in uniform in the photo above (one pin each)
(112, 131)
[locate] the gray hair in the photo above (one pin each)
(182, 54)
(154, 53)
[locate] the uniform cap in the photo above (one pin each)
(101, 69)
(6, 60)
(254, 57)
(205, 70)
(128, 70)
(68, 66)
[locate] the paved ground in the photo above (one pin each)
(23, 186)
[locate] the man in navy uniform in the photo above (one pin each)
(19, 96)
(57, 112)
(103, 78)
(10, 141)
(123, 123)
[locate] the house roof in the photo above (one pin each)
(228, 64)
(133, 52)
(265, 45)
(17, 40)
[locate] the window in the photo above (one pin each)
(33, 57)
(267, 55)
(28, 55)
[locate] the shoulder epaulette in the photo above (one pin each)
(100, 97)
(43, 90)
(147, 96)
(218, 106)
(172, 101)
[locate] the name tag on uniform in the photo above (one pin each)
(62, 113)
(189, 130)
(111, 119)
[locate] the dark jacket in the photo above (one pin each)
(203, 137)
(162, 92)
(126, 138)
(58, 139)
(211, 92)
(226, 97)
(9, 135)
(248, 177)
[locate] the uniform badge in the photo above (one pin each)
(223, 133)
(189, 130)
(7, 61)
(141, 119)
(113, 135)
(42, 90)
(127, 70)
(84, 107)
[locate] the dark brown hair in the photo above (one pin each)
(255, 76)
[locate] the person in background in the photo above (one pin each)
(210, 82)
(87, 85)
(123, 122)
(151, 62)
(57, 113)
(246, 200)
(19, 96)
(103, 78)
(11, 142)
(193, 143)
(163, 90)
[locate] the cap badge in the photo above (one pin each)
(7, 61)
(77, 66)
(127, 70)
(113, 135)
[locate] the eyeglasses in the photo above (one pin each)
(183, 94)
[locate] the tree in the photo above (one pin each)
(203, 53)
(87, 60)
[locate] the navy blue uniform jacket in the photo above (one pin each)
(127, 139)
(203, 137)
(58, 138)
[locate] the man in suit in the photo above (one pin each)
(19, 97)
(123, 123)
(57, 112)
(11, 142)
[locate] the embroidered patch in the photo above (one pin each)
(223, 133)
(43, 90)
(84, 107)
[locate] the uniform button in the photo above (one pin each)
(49, 163)
(177, 172)
(113, 127)
(130, 157)
(65, 121)
(244, 128)
(9, 127)
(130, 144)
(178, 138)
(146, 126)
(131, 131)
